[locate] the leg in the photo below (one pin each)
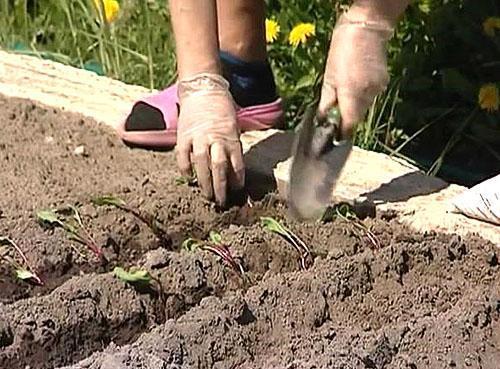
(242, 41)
(241, 29)
(243, 60)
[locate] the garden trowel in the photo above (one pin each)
(318, 156)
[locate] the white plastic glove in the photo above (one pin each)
(356, 69)
(208, 136)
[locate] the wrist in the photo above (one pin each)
(385, 13)
(202, 83)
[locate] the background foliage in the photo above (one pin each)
(439, 58)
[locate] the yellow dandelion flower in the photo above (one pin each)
(489, 98)
(300, 33)
(272, 30)
(111, 9)
(490, 25)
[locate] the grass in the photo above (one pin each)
(74, 33)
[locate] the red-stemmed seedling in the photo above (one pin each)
(215, 246)
(345, 212)
(146, 218)
(305, 255)
(76, 229)
(23, 272)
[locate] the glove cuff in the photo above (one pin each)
(202, 83)
(378, 26)
(385, 12)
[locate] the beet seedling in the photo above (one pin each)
(139, 278)
(146, 218)
(77, 232)
(217, 247)
(23, 273)
(190, 181)
(133, 276)
(345, 212)
(302, 249)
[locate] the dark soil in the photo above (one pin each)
(415, 301)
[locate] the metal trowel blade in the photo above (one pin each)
(317, 162)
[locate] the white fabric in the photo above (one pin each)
(481, 202)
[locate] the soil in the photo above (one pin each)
(409, 300)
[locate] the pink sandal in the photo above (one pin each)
(156, 115)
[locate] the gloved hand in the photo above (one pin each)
(208, 137)
(356, 69)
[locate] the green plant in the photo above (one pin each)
(73, 226)
(23, 272)
(299, 246)
(133, 276)
(131, 48)
(345, 211)
(215, 246)
(449, 54)
(143, 216)
(141, 279)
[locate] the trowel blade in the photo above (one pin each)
(317, 162)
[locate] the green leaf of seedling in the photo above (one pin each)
(342, 210)
(49, 216)
(183, 180)
(190, 244)
(273, 225)
(215, 237)
(25, 275)
(108, 200)
(346, 211)
(133, 276)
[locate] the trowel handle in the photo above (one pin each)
(332, 120)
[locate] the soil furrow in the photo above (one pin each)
(355, 311)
